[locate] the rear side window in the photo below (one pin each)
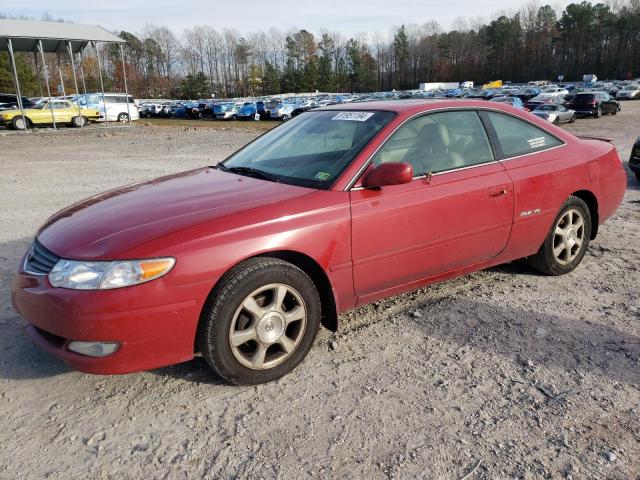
(517, 137)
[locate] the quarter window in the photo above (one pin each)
(517, 137)
(438, 142)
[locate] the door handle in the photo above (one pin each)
(498, 191)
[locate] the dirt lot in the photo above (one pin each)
(526, 376)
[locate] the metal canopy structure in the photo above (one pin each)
(25, 35)
(60, 38)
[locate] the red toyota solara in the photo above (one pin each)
(336, 208)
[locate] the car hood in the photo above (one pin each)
(110, 224)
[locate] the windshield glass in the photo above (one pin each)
(311, 150)
(547, 108)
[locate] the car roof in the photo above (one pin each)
(416, 105)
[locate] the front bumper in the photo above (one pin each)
(154, 323)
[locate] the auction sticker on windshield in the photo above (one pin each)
(353, 116)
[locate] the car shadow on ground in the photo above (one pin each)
(196, 371)
(554, 341)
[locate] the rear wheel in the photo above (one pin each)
(567, 242)
(261, 321)
(573, 119)
(78, 122)
(123, 118)
(598, 112)
(556, 121)
(638, 175)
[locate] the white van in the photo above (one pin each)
(116, 106)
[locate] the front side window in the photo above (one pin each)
(517, 137)
(311, 150)
(438, 142)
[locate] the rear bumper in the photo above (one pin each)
(150, 335)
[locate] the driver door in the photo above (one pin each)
(457, 211)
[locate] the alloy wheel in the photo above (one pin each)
(568, 236)
(268, 326)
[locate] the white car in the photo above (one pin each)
(630, 92)
(116, 106)
(555, 94)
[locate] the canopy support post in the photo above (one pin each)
(106, 119)
(64, 93)
(126, 89)
(75, 81)
(46, 81)
(84, 84)
(35, 60)
(17, 82)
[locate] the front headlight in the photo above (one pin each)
(86, 275)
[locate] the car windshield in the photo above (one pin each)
(547, 108)
(631, 87)
(311, 150)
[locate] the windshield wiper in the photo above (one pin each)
(250, 172)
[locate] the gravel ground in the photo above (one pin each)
(519, 375)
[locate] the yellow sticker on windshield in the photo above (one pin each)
(322, 175)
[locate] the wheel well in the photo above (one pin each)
(592, 202)
(309, 266)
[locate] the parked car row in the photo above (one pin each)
(73, 110)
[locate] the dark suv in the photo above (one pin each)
(9, 101)
(594, 104)
(634, 159)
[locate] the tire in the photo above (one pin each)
(637, 176)
(78, 122)
(123, 117)
(615, 111)
(573, 119)
(598, 112)
(258, 282)
(18, 123)
(234, 117)
(556, 122)
(285, 118)
(566, 256)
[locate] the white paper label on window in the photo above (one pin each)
(353, 116)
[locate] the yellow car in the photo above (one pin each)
(64, 113)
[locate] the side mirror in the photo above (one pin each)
(394, 173)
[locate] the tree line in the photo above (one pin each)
(537, 42)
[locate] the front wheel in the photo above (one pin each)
(567, 242)
(260, 322)
(123, 118)
(573, 119)
(18, 123)
(556, 121)
(598, 112)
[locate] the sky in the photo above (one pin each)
(348, 17)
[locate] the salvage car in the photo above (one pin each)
(249, 110)
(64, 113)
(593, 104)
(554, 113)
(225, 111)
(630, 92)
(634, 159)
(515, 102)
(242, 261)
(9, 101)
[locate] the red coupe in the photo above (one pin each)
(341, 206)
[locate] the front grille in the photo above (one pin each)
(40, 260)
